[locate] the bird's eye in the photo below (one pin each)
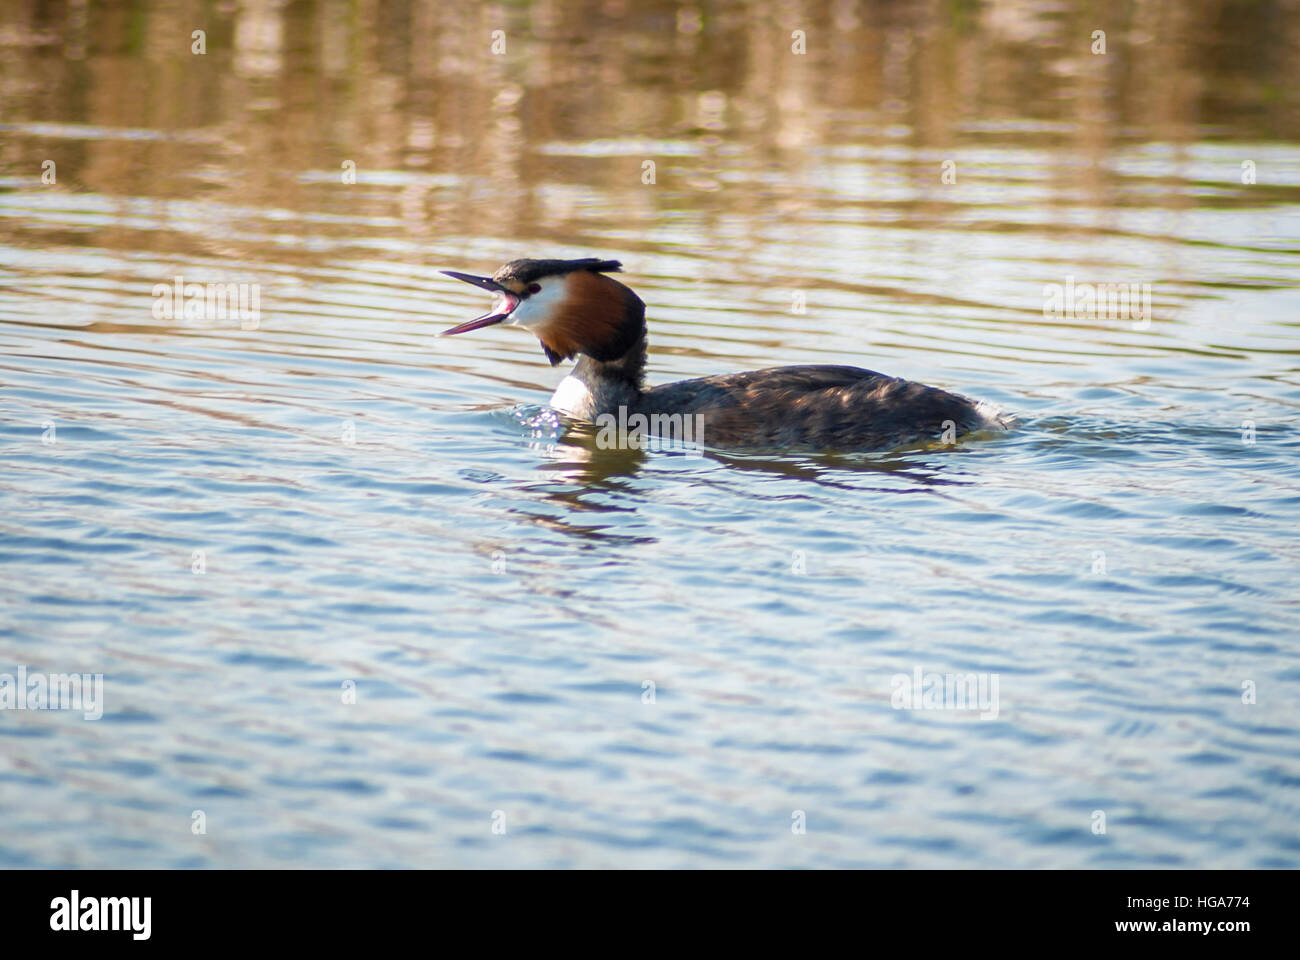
(534, 288)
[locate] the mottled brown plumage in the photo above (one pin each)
(817, 408)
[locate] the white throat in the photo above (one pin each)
(573, 399)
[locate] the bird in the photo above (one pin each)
(577, 310)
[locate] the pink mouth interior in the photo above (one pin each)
(500, 312)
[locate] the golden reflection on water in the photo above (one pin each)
(543, 129)
(917, 172)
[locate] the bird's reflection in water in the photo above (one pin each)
(575, 455)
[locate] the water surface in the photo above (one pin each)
(623, 658)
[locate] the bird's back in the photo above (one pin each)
(818, 407)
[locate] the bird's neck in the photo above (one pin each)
(595, 387)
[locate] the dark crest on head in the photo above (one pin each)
(526, 271)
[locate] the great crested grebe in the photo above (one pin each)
(575, 309)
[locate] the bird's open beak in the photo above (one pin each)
(500, 310)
